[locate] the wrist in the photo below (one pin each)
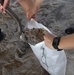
(56, 42)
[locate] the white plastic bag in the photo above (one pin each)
(53, 61)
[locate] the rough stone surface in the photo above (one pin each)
(16, 57)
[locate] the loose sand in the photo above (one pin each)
(16, 57)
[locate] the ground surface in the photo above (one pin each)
(16, 57)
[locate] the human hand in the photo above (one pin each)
(30, 7)
(34, 9)
(3, 5)
(31, 13)
(48, 39)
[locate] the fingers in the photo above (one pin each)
(34, 17)
(45, 36)
(3, 7)
(48, 36)
(31, 14)
(6, 2)
(48, 39)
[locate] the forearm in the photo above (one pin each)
(66, 42)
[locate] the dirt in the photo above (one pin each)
(33, 36)
(16, 57)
